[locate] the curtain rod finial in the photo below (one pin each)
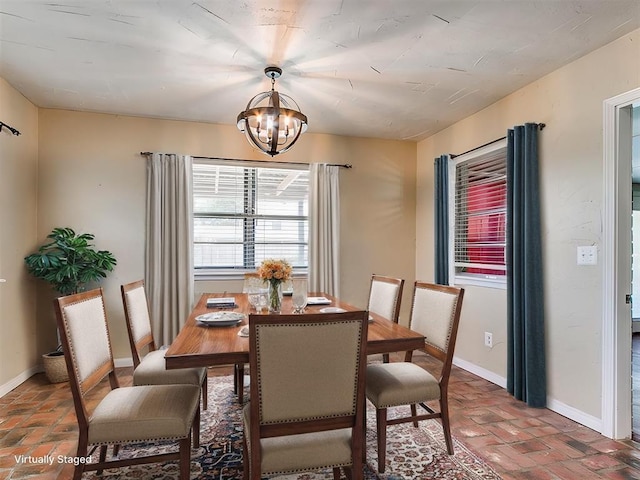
(10, 128)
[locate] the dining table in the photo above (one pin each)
(201, 345)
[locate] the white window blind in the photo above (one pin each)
(480, 213)
(244, 214)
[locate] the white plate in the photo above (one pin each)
(332, 310)
(220, 319)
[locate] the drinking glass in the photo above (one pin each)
(253, 295)
(262, 299)
(252, 286)
(299, 296)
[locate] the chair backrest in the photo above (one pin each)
(252, 281)
(385, 295)
(136, 314)
(82, 323)
(435, 313)
(307, 372)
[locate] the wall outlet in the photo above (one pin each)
(488, 339)
(588, 255)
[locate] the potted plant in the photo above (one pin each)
(68, 263)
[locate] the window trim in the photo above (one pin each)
(476, 279)
(214, 274)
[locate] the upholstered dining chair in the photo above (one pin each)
(251, 281)
(435, 313)
(306, 407)
(385, 296)
(124, 415)
(150, 369)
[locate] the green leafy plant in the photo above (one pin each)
(69, 262)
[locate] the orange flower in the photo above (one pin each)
(278, 270)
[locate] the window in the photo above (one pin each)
(244, 213)
(478, 215)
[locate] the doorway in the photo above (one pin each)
(635, 249)
(635, 272)
(616, 266)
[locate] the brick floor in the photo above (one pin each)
(521, 443)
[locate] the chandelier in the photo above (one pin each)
(272, 121)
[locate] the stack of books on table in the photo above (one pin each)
(318, 301)
(221, 302)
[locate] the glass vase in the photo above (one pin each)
(275, 297)
(299, 296)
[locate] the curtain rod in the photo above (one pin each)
(11, 129)
(342, 165)
(454, 155)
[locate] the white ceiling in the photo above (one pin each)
(388, 69)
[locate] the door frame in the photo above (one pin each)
(616, 249)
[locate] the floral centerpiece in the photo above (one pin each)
(275, 272)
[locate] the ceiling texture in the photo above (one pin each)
(387, 69)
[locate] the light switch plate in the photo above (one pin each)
(588, 255)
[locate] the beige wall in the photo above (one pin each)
(569, 101)
(91, 177)
(93, 180)
(18, 196)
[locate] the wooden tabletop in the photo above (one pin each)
(202, 346)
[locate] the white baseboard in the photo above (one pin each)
(17, 381)
(554, 405)
(574, 414)
(481, 372)
(123, 362)
(27, 374)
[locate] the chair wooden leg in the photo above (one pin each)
(196, 429)
(205, 392)
(240, 382)
(336, 473)
(116, 449)
(255, 472)
(248, 472)
(446, 427)
(364, 432)
(102, 457)
(414, 412)
(81, 452)
(381, 421)
(235, 379)
(245, 457)
(355, 472)
(385, 358)
(185, 458)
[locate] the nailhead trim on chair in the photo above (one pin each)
(75, 362)
(353, 405)
(302, 470)
(159, 439)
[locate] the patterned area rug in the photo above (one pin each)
(412, 453)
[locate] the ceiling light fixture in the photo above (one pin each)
(272, 121)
